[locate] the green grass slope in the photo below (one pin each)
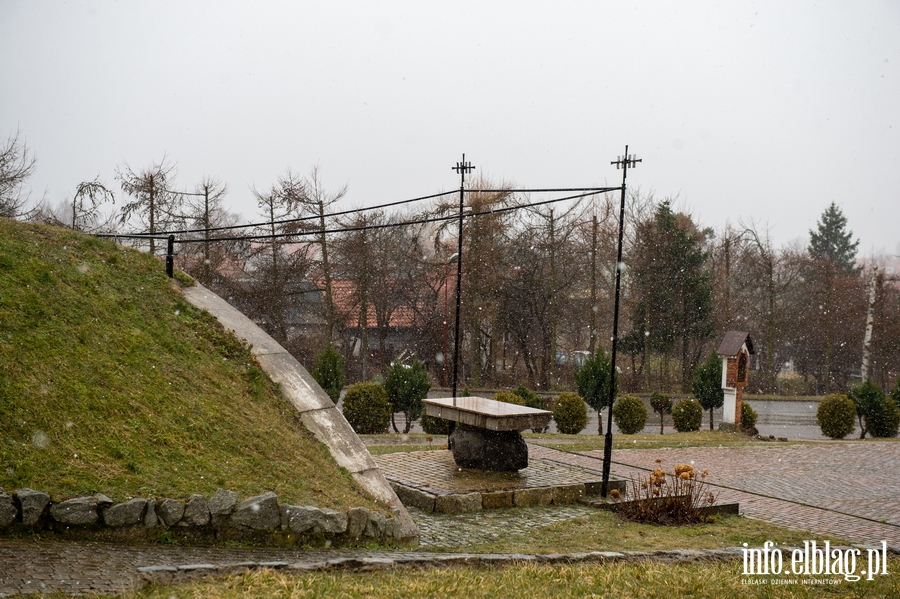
(110, 382)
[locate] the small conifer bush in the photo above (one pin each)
(533, 400)
(367, 408)
(570, 414)
(836, 416)
(630, 414)
(687, 415)
(749, 416)
(329, 372)
(885, 422)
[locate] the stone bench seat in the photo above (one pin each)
(488, 434)
(487, 413)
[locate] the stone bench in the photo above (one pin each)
(488, 432)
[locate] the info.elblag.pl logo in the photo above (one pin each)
(813, 560)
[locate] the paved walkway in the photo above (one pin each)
(847, 490)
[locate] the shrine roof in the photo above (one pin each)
(732, 343)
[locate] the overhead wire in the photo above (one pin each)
(351, 229)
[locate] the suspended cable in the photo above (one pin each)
(390, 225)
(301, 218)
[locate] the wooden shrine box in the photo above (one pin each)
(735, 351)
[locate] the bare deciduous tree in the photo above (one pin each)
(17, 164)
(153, 206)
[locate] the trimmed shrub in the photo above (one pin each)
(434, 426)
(835, 415)
(662, 405)
(630, 414)
(687, 415)
(570, 414)
(329, 372)
(367, 408)
(406, 385)
(508, 397)
(749, 417)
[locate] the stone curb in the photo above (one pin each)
(432, 500)
(176, 574)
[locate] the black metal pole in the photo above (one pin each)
(607, 447)
(463, 168)
(170, 257)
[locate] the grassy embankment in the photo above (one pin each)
(110, 382)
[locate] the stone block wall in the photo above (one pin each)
(220, 517)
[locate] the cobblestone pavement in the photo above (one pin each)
(437, 472)
(848, 490)
(472, 528)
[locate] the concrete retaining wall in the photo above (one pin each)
(316, 409)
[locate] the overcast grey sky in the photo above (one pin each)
(764, 110)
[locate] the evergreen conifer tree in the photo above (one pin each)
(832, 242)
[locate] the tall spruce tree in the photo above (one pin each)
(672, 287)
(832, 242)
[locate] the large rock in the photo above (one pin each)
(481, 449)
(303, 518)
(170, 511)
(151, 520)
(221, 505)
(375, 525)
(259, 513)
(196, 512)
(33, 504)
(333, 522)
(300, 518)
(129, 513)
(357, 519)
(8, 510)
(80, 511)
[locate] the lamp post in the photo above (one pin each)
(623, 162)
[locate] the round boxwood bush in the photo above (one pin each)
(570, 414)
(367, 408)
(749, 417)
(836, 416)
(509, 397)
(630, 414)
(687, 415)
(434, 426)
